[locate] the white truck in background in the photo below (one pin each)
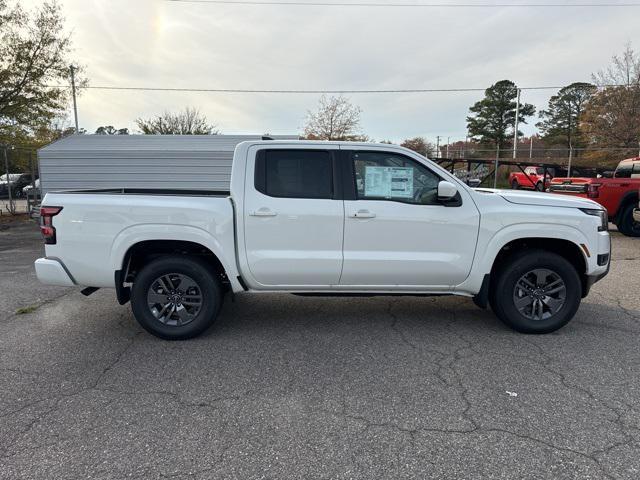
(331, 218)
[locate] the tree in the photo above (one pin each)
(493, 118)
(188, 122)
(336, 119)
(612, 116)
(623, 71)
(34, 52)
(420, 145)
(110, 130)
(561, 121)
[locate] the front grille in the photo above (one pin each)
(568, 188)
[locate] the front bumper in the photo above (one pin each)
(51, 271)
(590, 280)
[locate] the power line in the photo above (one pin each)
(293, 91)
(409, 5)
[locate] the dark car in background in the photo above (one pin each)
(14, 181)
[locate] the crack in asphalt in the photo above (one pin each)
(448, 373)
(43, 303)
(618, 302)
(396, 328)
(456, 357)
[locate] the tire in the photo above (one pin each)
(161, 280)
(539, 187)
(626, 225)
(515, 185)
(558, 307)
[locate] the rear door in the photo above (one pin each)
(397, 233)
(293, 216)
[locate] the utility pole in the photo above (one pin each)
(570, 158)
(6, 169)
(531, 148)
(438, 146)
(448, 141)
(73, 94)
(516, 125)
(495, 168)
(464, 146)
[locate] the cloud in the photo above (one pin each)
(156, 43)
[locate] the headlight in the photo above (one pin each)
(602, 214)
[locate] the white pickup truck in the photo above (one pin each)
(327, 218)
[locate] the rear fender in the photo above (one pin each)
(140, 233)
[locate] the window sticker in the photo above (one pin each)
(388, 182)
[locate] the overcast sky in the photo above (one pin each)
(194, 45)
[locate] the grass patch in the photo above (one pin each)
(19, 217)
(25, 310)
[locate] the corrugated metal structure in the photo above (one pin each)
(193, 162)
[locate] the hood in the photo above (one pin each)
(523, 197)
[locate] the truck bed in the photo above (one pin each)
(96, 227)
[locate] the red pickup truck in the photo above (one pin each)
(619, 195)
(533, 178)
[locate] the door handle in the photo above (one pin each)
(263, 212)
(363, 214)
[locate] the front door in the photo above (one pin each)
(293, 217)
(396, 231)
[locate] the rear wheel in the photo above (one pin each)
(539, 187)
(176, 297)
(536, 292)
(626, 224)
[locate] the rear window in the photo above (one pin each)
(294, 173)
(624, 170)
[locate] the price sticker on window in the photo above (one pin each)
(388, 182)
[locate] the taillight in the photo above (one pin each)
(46, 224)
(593, 190)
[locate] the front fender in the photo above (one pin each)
(488, 252)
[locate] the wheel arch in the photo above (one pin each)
(629, 198)
(567, 249)
(139, 243)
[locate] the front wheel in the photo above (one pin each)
(627, 225)
(176, 297)
(536, 292)
(515, 185)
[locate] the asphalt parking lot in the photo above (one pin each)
(290, 387)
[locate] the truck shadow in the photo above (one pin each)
(286, 313)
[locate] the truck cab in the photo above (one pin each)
(533, 178)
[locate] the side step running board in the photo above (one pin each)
(89, 290)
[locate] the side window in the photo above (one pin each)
(623, 171)
(636, 170)
(294, 173)
(389, 176)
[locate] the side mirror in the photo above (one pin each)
(446, 190)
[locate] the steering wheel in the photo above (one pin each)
(423, 191)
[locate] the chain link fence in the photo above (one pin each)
(19, 180)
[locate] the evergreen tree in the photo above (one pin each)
(561, 120)
(492, 119)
